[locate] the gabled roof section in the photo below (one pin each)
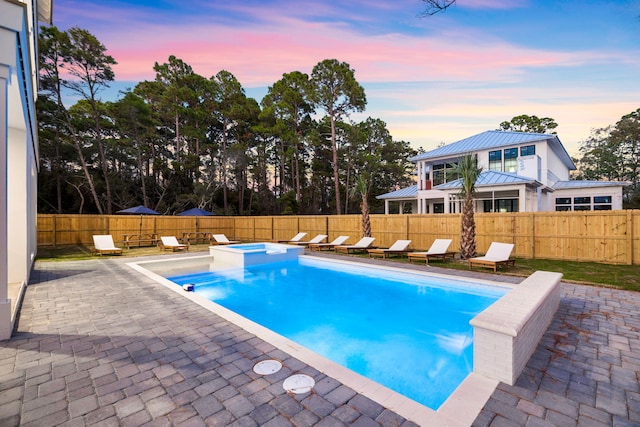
(490, 178)
(403, 193)
(569, 185)
(496, 139)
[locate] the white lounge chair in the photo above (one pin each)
(400, 247)
(319, 238)
(103, 244)
(221, 239)
(298, 237)
(497, 254)
(439, 250)
(326, 246)
(170, 243)
(361, 245)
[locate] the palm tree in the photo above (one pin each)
(468, 171)
(362, 188)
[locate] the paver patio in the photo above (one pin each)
(100, 344)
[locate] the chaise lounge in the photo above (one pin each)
(400, 247)
(170, 243)
(103, 244)
(221, 239)
(497, 254)
(319, 238)
(298, 237)
(328, 246)
(360, 246)
(439, 250)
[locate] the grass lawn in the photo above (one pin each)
(589, 273)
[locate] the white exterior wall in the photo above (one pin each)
(614, 192)
(18, 150)
(553, 168)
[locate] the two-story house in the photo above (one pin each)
(521, 172)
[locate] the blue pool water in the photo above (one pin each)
(409, 332)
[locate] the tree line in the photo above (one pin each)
(184, 140)
(612, 153)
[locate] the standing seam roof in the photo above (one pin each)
(496, 139)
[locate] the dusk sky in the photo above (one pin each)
(432, 80)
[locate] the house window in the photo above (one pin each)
(438, 208)
(444, 172)
(602, 203)
(495, 160)
(563, 204)
(511, 160)
(501, 205)
(584, 203)
(601, 207)
(582, 200)
(529, 150)
(438, 174)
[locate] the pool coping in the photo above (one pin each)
(460, 409)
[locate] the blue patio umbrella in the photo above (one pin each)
(196, 212)
(139, 210)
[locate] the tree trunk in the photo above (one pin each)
(105, 172)
(336, 175)
(88, 177)
(225, 202)
(468, 232)
(366, 221)
(58, 173)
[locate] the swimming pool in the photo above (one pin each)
(407, 331)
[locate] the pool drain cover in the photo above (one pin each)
(298, 384)
(267, 367)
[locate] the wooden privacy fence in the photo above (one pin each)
(607, 236)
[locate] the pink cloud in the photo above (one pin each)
(260, 55)
(272, 43)
(471, 80)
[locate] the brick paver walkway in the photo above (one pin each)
(99, 344)
(586, 370)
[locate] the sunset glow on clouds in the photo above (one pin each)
(432, 80)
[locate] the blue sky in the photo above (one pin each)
(432, 80)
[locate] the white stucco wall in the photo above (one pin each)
(614, 192)
(18, 150)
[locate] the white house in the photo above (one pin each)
(18, 147)
(521, 172)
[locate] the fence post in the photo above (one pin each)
(629, 237)
(533, 235)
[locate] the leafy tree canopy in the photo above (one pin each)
(533, 124)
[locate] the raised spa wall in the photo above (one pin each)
(254, 253)
(507, 333)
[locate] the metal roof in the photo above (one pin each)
(403, 193)
(494, 178)
(496, 139)
(488, 178)
(567, 185)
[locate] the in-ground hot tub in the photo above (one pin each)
(254, 253)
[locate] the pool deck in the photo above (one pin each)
(100, 344)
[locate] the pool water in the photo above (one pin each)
(409, 332)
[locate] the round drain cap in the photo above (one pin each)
(267, 367)
(298, 384)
